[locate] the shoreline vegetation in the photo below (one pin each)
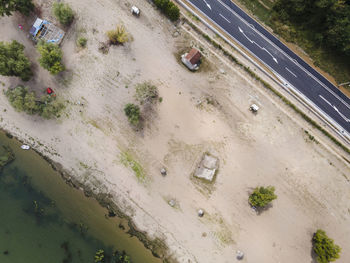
(158, 248)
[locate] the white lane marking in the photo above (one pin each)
(285, 54)
(225, 18)
(290, 72)
(207, 4)
(336, 109)
(240, 30)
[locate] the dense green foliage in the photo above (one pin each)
(325, 248)
(132, 111)
(23, 100)
(328, 20)
(262, 196)
(51, 56)
(168, 8)
(9, 6)
(146, 93)
(13, 62)
(63, 13)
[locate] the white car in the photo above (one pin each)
(135, 11)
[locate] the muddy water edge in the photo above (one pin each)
(44, 219)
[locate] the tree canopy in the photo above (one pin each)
(51, 56)
(132, 111)
(63, 13)
(262, 196)
(328, 20)
(9, 6)
(324, 247)
(13, 62)
(23, 100)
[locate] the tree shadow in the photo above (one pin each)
(312, 252)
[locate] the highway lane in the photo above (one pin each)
(269, 50)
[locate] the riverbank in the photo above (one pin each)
(48, 220)
(96, 148)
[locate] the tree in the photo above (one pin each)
(13, 62)
(328, 21)
(118, 36)
(9, 6)
(262, 196)
(23, 100)
(168, 8)
(146, 92)
(324, 247)
(51, 56)
(132, 111)
(63, 13)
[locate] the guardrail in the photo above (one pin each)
(290, 89)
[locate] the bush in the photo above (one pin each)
(63, 13)
(51, 56)
(81, 42)
(23, 100)
(9, 6)
(132, 111)
(324, 247)
(118, 36)
(262, 196)
(146, 92)
(13, 62)
(168, 8)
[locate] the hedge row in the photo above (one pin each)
(168, 8)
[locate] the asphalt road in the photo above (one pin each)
(290, 68)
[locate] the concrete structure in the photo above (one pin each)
(192, 59)
(207, 168)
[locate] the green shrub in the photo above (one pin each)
(324, 247)
(132, 111)
(262, 196)
(99, 256)
(51, 56)
(9, 6)
(63, 13)
(168, 8)
(146, 92)
(13, 62)
(118, 36)
(23, 100)
(81, 42)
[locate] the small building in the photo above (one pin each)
(45, 30)
(207, 167)
(192, 59)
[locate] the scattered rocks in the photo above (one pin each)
(200, 213)
(176, 34)
(239, 255)
(172, 202)
(163, 171)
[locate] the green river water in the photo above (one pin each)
(44, 220)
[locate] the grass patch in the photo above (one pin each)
(128, 160)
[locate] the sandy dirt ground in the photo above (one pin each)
(206, 111)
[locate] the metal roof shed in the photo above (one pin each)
(45, 30)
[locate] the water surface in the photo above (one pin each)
(44, 220)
